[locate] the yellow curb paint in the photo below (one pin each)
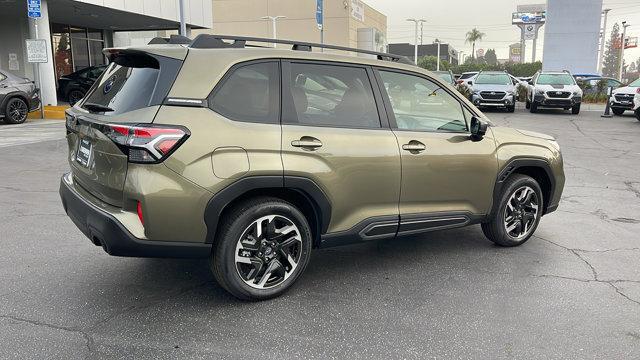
(50, 112)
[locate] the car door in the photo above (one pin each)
(335, 134)
(447, 178)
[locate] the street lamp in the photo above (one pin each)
(624, 35)
(273, 24)
(438, 61)
(604, 36)
(415, 46)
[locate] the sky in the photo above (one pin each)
(450, 20)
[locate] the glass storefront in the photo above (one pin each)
(76, 48)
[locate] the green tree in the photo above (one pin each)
(490, 57)
(472, 36)
(611, 60)
(430, 63)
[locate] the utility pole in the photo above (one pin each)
(183, 24)
(438, 61)
(421, 33)
(415, 46)
(273, 24)
(602, 39)
(624, 35)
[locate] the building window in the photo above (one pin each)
(76, 48)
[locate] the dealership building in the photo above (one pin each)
(76, 31)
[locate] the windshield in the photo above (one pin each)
(495, 79)
(446, 76)
(555, 79)
(635, 83)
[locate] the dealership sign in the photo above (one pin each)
(538, 17)
(319, 15)
(357, 10)
(33, 9)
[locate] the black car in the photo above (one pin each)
(74, 86)
(18, 96)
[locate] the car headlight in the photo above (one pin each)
(577, 93)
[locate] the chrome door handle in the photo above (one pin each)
(307, 142)
(414, 146)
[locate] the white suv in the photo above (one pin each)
(554, 89)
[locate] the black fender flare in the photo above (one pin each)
(516, 164)
(305, 186)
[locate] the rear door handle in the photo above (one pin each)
(414, 146)
(307, 142)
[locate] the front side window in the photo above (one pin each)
(555, 79)
(250, 93)
(422, 105)
(332, 95)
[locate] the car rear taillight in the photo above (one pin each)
(139, 209)
(638, 90)
(146, 143)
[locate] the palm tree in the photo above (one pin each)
(473, 36)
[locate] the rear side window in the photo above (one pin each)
(250, 93)
(331, 95)
(132, 82)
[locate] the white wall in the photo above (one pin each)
(571, 35)
(13, 31)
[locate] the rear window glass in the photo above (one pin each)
(466, 76)
(132, 83)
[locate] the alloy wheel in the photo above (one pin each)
(268, 251)
(521, 212)
(17, 111)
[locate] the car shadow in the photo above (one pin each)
(171, 278)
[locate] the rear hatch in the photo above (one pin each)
(123, 101)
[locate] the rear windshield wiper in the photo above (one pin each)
(93, 107)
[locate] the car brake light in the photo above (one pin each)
(638, 90)
(146, 143)
(140, 213)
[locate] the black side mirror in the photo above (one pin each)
(530, 82)
(478, 129)
(470, 82)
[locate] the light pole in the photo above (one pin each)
(460, 57)
(183, 24)
(604, 36)
(415, 46)
(438, 61)
(624, 35)
(273, 24)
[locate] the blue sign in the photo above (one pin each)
(33, 9)
(319, 16)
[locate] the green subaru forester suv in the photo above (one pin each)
(253, 156)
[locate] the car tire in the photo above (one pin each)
(527, 105)
(248, 258)
(533, 108)
(16, 111)
(617, 111)
(520, 204)
(575, 109)
(511, 108)
(74, 95)
(637, 112)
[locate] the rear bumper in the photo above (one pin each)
(106, 231)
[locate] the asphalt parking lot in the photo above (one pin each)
(571, 292)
